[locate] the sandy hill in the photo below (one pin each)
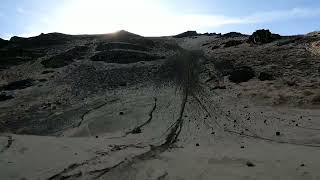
(192, 106)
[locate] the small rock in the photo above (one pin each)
(302, 165)
(250, 164)
(197, 144)
(278, 133)
(121, 113)
(242, 147)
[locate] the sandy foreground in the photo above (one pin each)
(222, 135)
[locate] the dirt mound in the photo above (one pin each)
(124, 57)
(263, 36)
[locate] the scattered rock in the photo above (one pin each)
(264, 76)
(242, 74)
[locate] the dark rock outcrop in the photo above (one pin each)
(22, 84)
(4, 97)
(232, 43)
(241, 74)
(65, 58)
(120, 45)
(187, 34)
(124, 57)
(264, 76)
(41, 40)
(233, 35)
(263, 36)
(3, 43)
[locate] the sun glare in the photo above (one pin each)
(99, 16)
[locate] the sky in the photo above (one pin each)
(157, 17)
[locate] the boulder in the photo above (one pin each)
(263, 36)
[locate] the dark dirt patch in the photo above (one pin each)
(124, 57)
(22, 84)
